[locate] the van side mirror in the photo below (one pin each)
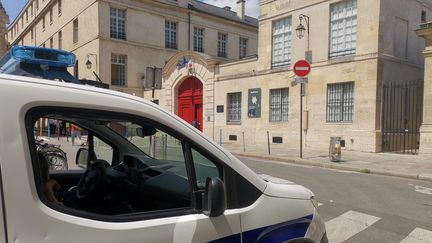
(82, 158)
(214, 198)
(145, 131)
(140, 132)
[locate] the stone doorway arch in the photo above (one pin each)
(191, 67)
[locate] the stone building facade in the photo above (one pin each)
(360, 48)
(4, 21)
(122, 38)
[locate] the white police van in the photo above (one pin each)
(148, 177)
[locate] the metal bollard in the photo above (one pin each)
(244, 146)
(268, 142)
(220, 137)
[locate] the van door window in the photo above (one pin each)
(103, 150)
(59, 140)
(128, 167)
(204, 168)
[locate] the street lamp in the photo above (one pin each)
(89, 65)
(300, 31)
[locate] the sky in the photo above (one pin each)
(13, 7)
(252, 6)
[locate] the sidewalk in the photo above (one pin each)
(400, 165)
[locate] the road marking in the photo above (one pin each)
(320, 204)
(418, 235)
(347, 225)
(422, 189)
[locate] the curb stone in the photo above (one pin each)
(424, 177)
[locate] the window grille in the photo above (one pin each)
(279, 104)
(234, 107)
(340, 102)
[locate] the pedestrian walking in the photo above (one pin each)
(52, 127)
(75, 134)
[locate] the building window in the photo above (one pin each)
(37, 4)
(198, 39)
(43, 45)
(51, 43)
(340, 102)
(170, 35)
(43, 23)
(282, 38)
(51, 16)
(343, 28)
(75, 31)
(60, 40)
(279, 105)
(59, 6)
(32, 34)
(222, 44)
(118, 70)
(31, 9)
(234, 107)
(22, 23)
(26, 14)
(423, 17)
(243, 46)
(118, 23)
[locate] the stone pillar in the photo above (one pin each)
(426, 127)
(4, 20)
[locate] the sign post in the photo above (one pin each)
(301, 69)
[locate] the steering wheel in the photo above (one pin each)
(93, 182)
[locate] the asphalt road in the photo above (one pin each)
(362, 207)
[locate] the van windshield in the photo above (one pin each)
(152, 142)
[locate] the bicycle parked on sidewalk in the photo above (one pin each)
(56, 157)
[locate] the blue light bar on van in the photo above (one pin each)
(43, 56)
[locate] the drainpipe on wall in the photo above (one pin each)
(189, 26)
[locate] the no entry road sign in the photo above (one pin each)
(302, 68)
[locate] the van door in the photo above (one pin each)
(147, 196)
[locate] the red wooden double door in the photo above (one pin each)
(190, 101)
